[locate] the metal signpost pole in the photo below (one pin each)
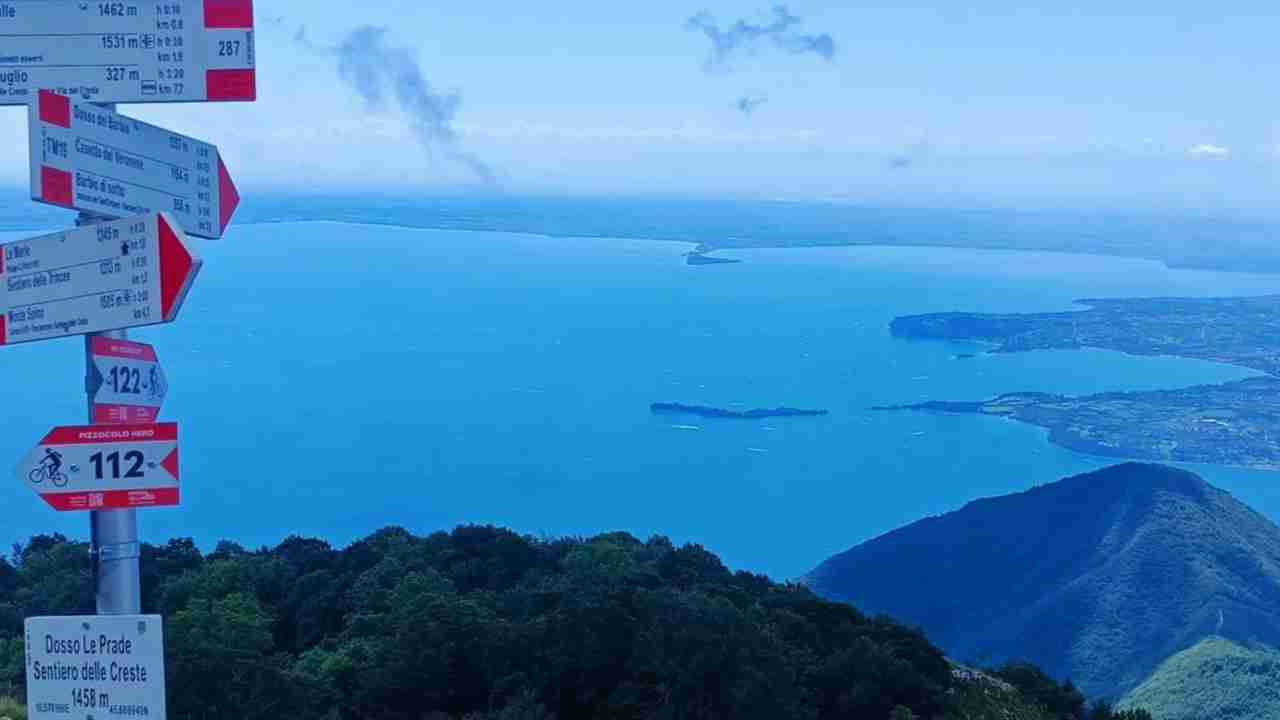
(113, 534)
(114, 541)
(143, 189)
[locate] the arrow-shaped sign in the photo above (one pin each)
(121, 274)
(125, 381)
(88, 158)
(127, 52)
(104, 467)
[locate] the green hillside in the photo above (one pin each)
(1098, 577)
(1215, 680)
(484, 624)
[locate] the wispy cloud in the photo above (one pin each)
(745, 36)
(382, 73)
(1209, 150)
(748, 104)
(682, 135)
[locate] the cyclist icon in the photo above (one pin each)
(50, 468)
(155, 386)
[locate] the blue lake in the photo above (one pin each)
(333, 379)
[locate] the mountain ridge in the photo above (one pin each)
(1117, 569)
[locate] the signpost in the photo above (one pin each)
(69, 61)
(104, 467)
(127, 50)
(95, 666)
(126, 383)
(88, 158)
(121, 274)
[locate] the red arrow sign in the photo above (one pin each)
(104, 467)
(228, 197)
(177, 269)
(121, 274)
(86, 157)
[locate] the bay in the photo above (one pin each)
(332, 379)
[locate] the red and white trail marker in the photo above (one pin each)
(88, 158)
(121, 274)
(104, 467)
(127, 51)
(126, 382)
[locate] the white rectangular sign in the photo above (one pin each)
(86, 157)
(94, 667)
(104, 467)
(126, 381)
(121, 274)
(129, 51)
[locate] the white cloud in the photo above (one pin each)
(1209, 150)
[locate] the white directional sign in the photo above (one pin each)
(95, 667)
(104, 467)
(126, 381)
(88, 158)
(127, 51)
(121, 274)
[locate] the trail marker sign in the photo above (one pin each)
(121, 274)
(104, 467)
(127, 51)
(88, 158)
(125, 381)
(95, 666)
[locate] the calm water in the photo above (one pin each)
(332, 379)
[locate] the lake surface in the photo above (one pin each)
(333, 379)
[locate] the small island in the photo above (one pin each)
(699, 258)
(1236, 423)
(721, 413)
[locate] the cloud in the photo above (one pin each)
(746, 37)
(1209, 150)
(382, 73)
(748, 104)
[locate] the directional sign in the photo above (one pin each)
(121, 274)
(104, 467)
(85, 157)
(126, 382)
(95, 666)
(127, 51)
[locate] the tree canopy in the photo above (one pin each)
(485, 624)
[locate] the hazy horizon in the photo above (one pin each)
(1154, 107)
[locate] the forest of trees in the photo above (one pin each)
(485, 624)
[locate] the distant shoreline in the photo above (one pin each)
(1229, 424)
(737, 225)
(827, 245)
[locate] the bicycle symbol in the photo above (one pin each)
(46, 471)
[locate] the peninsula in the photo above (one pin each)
(1235, 331)
(1235, 423)
(721, 413)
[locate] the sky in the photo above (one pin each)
(1169, 104)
